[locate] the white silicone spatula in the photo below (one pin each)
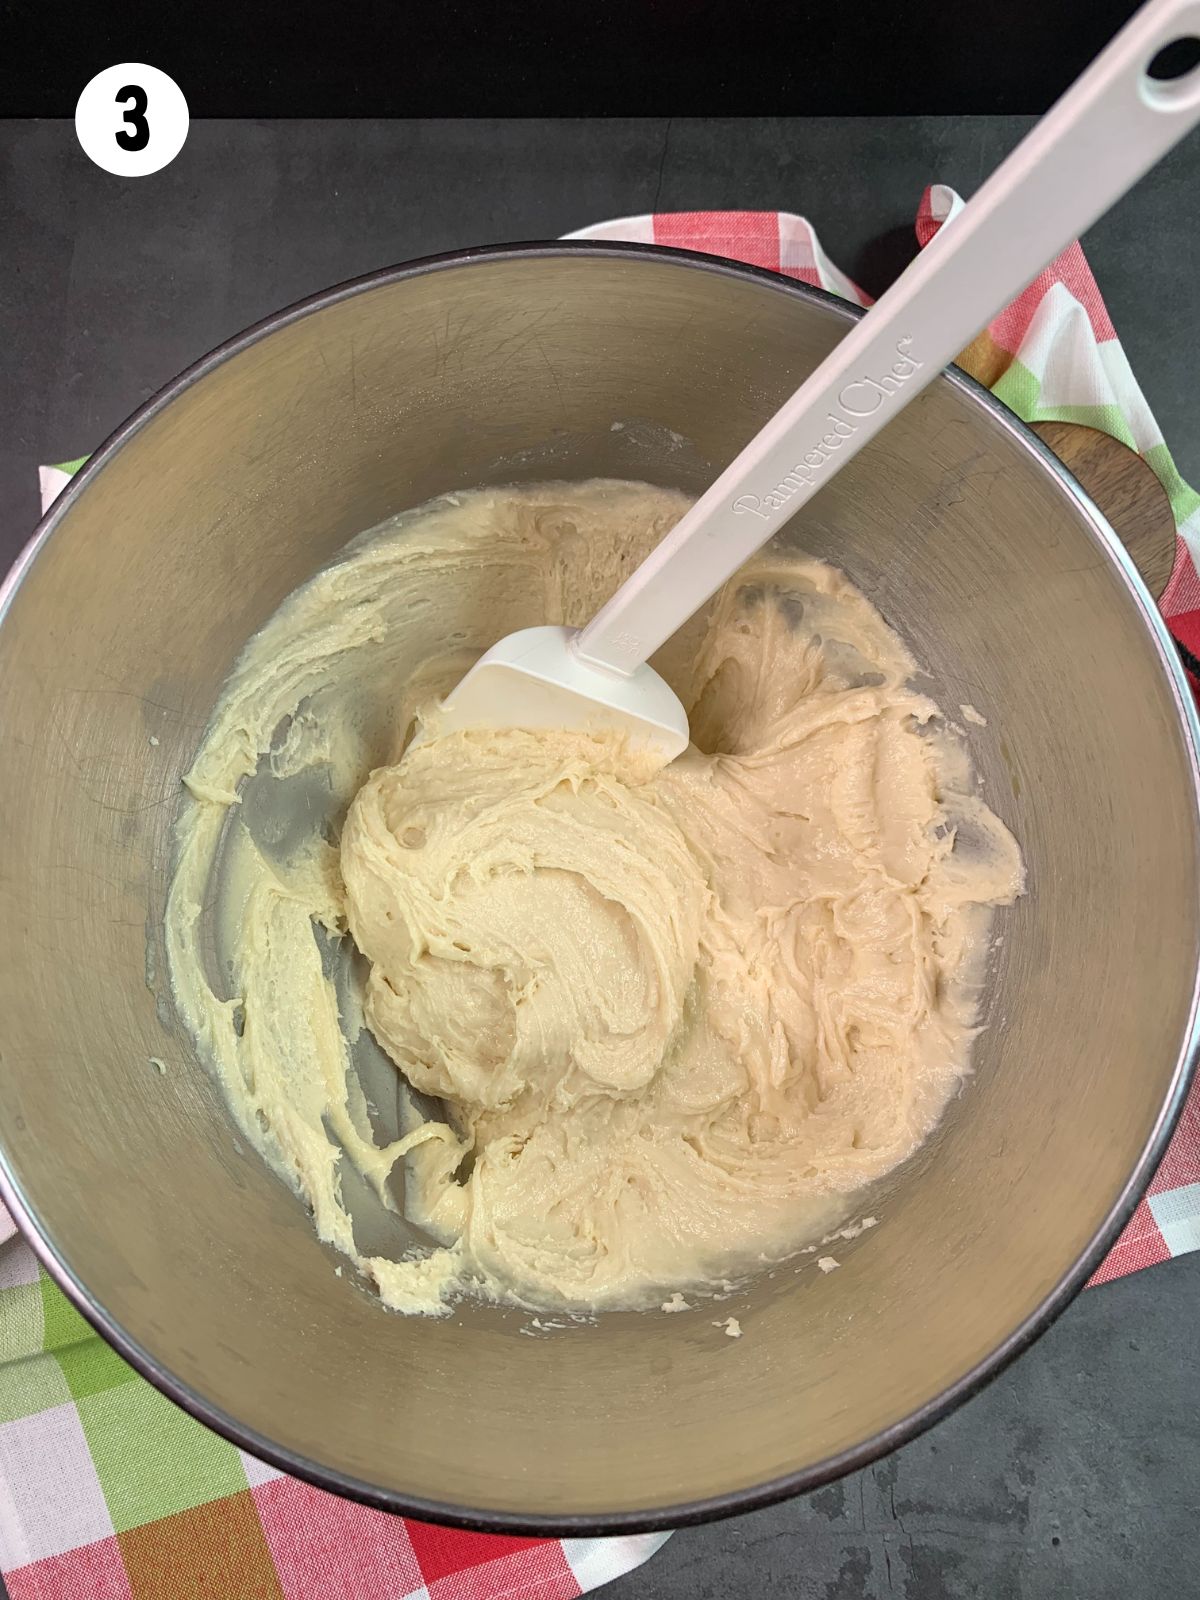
(1099, 139)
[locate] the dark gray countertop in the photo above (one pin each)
(108, 286)
(1073, 1477)
(1077, 1473)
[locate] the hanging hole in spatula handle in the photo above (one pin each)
(1175, 60)
(1171, 79)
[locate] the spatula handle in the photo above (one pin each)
(1108, 129)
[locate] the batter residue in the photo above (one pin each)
(670, 1019)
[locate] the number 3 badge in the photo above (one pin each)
(132, 119)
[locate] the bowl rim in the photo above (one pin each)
(753, 1497)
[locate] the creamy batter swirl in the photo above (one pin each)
(664, 1021)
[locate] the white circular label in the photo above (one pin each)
(132, 119)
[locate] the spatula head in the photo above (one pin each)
(537, 679)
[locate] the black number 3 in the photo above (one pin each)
(138, 135)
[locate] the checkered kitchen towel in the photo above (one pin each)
(109, 1492)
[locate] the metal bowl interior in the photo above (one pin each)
(123, 619)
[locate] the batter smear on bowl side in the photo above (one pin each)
(649, 1025)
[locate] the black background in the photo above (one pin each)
(394, 58)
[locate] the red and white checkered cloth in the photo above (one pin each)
(107, 1492)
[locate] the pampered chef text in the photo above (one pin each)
(856, 400)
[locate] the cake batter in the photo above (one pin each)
(668, 1019)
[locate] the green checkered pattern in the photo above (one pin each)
(110, 1492)
(120, 1452)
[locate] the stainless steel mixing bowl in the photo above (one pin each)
(124, 616)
